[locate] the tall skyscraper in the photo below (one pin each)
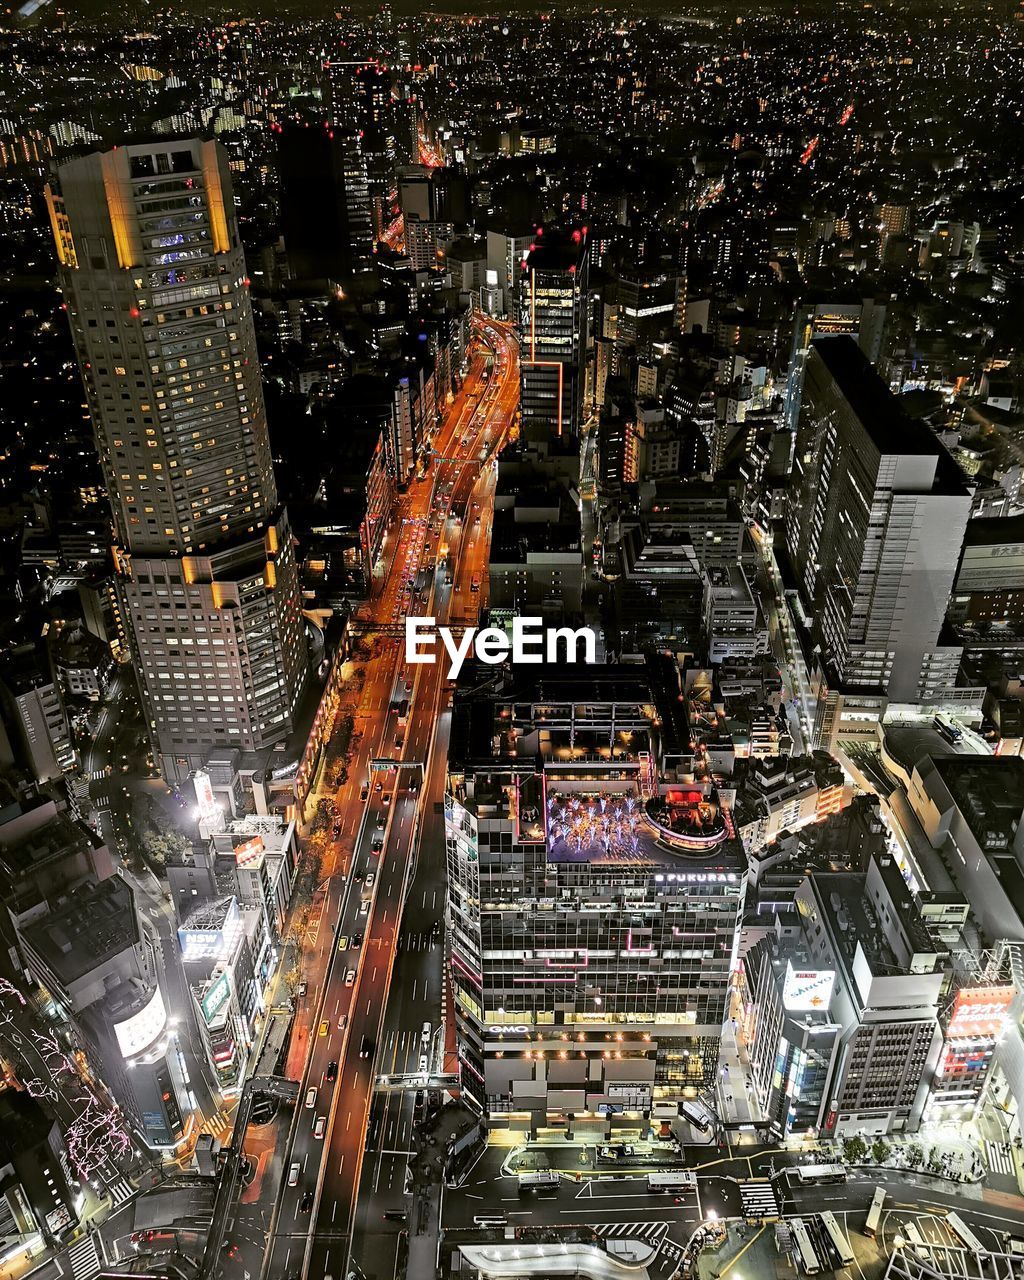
(876, 520)
(553, 325)
(863, 320)
(155, 286)
(325, 202)
(375, 117)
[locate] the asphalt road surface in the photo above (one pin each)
(367, 946)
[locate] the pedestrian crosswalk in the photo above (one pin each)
(998, 1158)
(85, 1261)
(759, 1200)
(94, 775)
(651, 1233)
(221, 1124)
(121, 1190)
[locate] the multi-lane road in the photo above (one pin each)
(373, 959)
(621, 1207)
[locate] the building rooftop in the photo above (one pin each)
(26, 667)
(514, 541)
(852, 920)
(99, 923)
(905, 905)
(44, 845)
(991, 531)
(989, 792)
(23, 1123)
(492, 701)
(728, 583)
(552, 251)
(880, 413)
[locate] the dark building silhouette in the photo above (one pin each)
(325, 203)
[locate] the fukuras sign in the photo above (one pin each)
(530, 643)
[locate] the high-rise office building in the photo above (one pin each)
(155, 286)
(553, 327)
(876, 521)
(507, 249)
(369, 107)
(590, 955)
(863, 320)
(326, 213)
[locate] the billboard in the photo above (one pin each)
(807, 990)
(211, 815)
(143, 1028)
(217, 995)
(979, 1013)
(250, 852)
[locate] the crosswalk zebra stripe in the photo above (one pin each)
(999, 1158)
(651, 1232)
(121, 1190)
(758, 1200)
(85, 1261)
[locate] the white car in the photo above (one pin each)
(319, 1125)
(311, 1097)
(350, 978)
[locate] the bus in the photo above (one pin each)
(543, 1182)
(964, 1234)
(875, 1213)
(810, 1175)
(697, 1115)
(805, 1249)
(836, 1238)
(672, 1181)
(910, 1233)
(946, 729)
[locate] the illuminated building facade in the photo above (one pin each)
(553, 329)
(874, 525)
(225, 953)
(591, 969)
(791, 1038)
(889, 977)
(841, 1008)
(157, 296)
(93, 959)
(976, 1022)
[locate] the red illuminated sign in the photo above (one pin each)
(979, 1013)
(250, 852)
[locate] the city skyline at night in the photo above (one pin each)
(512, 658)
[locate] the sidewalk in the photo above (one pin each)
(952, 1158)
(735, 1095)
